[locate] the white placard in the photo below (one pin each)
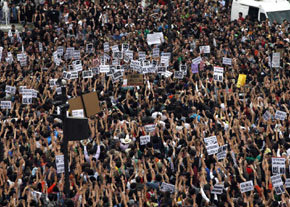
(218, 74)
(144, 139)
(247, 186)
(115, 48)
(278, 184)
(10, 89)
(266, 115)
(21, 89)
(287, 183)
(77, 65)
(142, 55)
(104, 68)
(149, 128)
(167, 187)
(276, 60)
(153, 39)
(78, 113)
(52, 82)
(161, 69)
(77, 54)
(60, 50)
(204, 49)
(218, 189)
(165, 60)
(89, 48)
(156, 52)
(87, 74)
(183, 68)
(167, 74)
(197, 60)
(58, 90)
(280, 115)
(106, 47)
(117, 75)
(129, 54)
(178, 74)
(95, 70)
(59, 162)
(74, 75)
(26, 99)
(125, 47)
(222, 152)
(278, 165)
(276, 180)
(70, 52)
(211, 145)
(56, 58)
(6, 104)
(227, 61)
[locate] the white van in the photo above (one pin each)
(278, 10)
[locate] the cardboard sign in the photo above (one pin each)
(117, 75)
(204, 49)
(165, 187)
(278, 165)
(218, 189)
(266, 115)
(135, 80)
(59, 162)
(276, 60)
(246, 186)
(6, 104)
(218, 74)
(77, 54)
(280, 115)
(90, 103)
(183, 68)
(211, 145)
(241, 80)
(227, 61)
(74, 75)
(144, 139)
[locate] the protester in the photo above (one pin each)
(177, 139)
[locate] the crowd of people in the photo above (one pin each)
(185, 136)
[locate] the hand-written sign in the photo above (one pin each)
(135, 80)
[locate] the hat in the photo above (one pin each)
(127, 140)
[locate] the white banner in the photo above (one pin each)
(167, 187)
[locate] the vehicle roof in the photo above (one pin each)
(267, 5)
